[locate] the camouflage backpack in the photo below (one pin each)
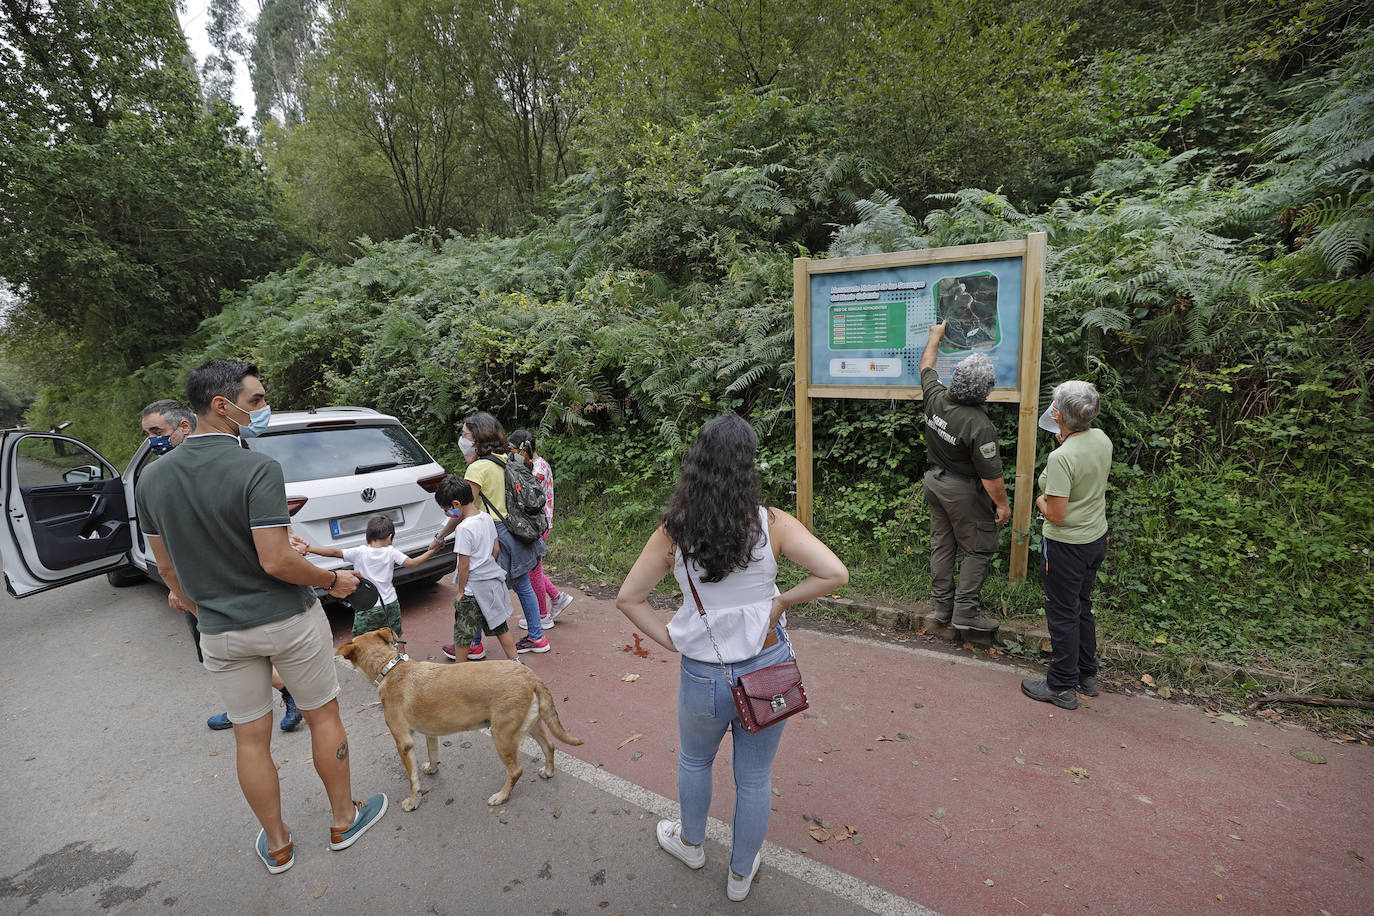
(524, 518)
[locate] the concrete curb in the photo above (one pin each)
(1034, 633)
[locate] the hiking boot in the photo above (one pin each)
(980, 623)
(545, 622)
(943, 618)
(560, 604)
(532, 645)
(670, 838)
(365, 814)
(1041, 690)
(276, 860)
(292, 717)
(219, 721)
(738, 888)
(1089, 686)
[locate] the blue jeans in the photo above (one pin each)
(705, 709)
(529, 605)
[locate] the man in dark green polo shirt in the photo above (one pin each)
(216, 519)
(963, 484)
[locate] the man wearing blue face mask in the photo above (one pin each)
(167, 423)
(216, 520)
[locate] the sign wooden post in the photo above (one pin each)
(861, 324)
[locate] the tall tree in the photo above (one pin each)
(127, 207)
(284, 35)
(419, 114)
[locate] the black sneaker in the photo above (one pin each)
(1089, 686)
(1040, 690)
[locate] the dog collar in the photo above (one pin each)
(385, 668)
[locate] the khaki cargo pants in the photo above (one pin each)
(962, 518)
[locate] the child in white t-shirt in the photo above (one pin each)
(482, 605)
(377, 563)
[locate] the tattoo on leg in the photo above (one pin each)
(342, 752)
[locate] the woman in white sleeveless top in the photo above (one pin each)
(717, 532)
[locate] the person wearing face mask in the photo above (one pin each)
(552, 602)
(486, 451)
(167, 423)
(1073, 500)
(216, 520)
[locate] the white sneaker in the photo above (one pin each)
(738, 888)
(560, 604)
(544, 622)
(670, 838)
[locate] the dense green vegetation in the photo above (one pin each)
(592, 227)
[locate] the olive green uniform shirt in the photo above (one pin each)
(959, 437)
(1078, 470)
(204, 498)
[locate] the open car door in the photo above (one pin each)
(66, 517)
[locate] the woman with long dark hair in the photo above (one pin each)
(719, 539)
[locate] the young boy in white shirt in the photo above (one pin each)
(377, 563)
(482, 605)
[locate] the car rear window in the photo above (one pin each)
(316, 454)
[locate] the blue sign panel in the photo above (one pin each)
(868, 327)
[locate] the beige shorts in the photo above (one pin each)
(240, 663)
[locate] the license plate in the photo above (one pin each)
(350, 525)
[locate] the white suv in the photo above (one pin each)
(69, 514)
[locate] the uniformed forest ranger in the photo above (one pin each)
(963, 484)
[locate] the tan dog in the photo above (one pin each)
(439, 700)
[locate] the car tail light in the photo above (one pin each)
(430, 484)
(294, 504)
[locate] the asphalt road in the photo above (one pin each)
(118, 798)
(962, 795)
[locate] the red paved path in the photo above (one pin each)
(1178, 813)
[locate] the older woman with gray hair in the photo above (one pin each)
(963, 484)
(1073, 500)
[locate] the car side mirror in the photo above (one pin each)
(83, 474)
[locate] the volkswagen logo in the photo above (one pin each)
(369, 495)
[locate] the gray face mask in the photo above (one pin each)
(1047, 421)
(469, 450)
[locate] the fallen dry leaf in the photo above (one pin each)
(1231, 718)
(988, 882)
(846, 833)
(885, 738)
(1307, 756)
(1078, 772)
(1165, 693)
(628, 740)
(1147, 680)
(819, 834)
(1273, 715)
(319, 893)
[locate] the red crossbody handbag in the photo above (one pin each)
(766, 696)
